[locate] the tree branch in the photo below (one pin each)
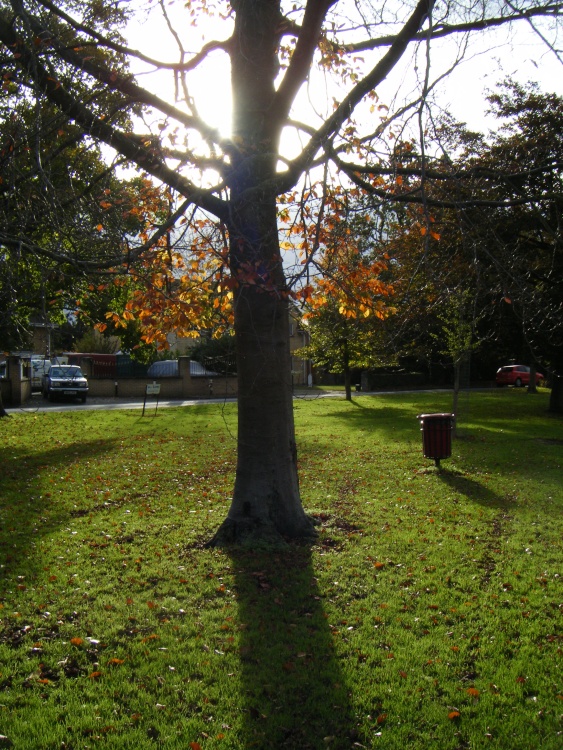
(442, 30)
(127, 145)
(300, 64)
(367, 84)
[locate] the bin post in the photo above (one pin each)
(436, 435)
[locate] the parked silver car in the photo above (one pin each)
(64, 381)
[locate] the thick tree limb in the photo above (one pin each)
(442, 30)
(127, 145)
(355, 96)
(300, 65)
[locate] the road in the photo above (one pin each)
(39, 404)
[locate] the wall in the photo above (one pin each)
(182, 387)
(16, 388)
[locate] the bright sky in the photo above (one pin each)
(491, 57)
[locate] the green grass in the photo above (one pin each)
(428, 615)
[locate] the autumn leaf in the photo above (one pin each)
(94, 675)
(453, 715)
(195, 746)
(77, 641)
(115, 662)
(473, 692)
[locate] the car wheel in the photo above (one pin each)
(517, 383)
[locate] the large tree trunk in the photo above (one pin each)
(266, 503)
(532, 388)
(3, 412)
(556, 398)
(347, 373)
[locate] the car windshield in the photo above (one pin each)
(65, 372)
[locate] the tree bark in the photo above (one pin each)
(266, 505)
(532, 388)
(457, 382)
(556, 398)
(3, 412)
(347, 374)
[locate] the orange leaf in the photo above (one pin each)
(473, 691)
(151, 605)
(95, 675)
(453, 715)
(381, 718)
(77, 641)
(115, 662)
(195, 746)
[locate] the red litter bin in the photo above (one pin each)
(436, 435)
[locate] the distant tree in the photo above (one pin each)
(94, 341)
(347, 296)
(216, 354)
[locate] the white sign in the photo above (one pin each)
(153, 390)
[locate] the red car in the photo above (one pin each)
(516, 375)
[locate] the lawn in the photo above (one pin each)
(427, 615)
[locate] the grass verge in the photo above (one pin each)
(427, 615)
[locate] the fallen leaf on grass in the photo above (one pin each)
(115, 662)
(453, 715)
(95, 675)
(77, 641)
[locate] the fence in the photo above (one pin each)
(181, 378)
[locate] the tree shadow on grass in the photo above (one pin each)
(28, 511)
(474, 491)
(295, 693)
